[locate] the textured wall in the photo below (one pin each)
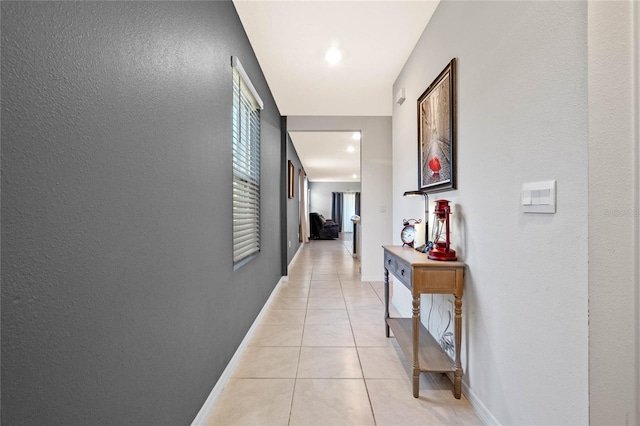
(522, 117)
(293, 204)
(320, 199)
(614, 396)
(119, 301)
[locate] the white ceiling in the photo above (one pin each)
(326, 154)
(290, 39)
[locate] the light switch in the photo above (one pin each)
(545, 196)
(535, 197)
(539, 197)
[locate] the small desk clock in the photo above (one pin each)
(408, 233)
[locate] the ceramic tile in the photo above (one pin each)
(268, 363)
(348, 271)
(253, 402)
(330, 402)
(367, 316)
(327, 317)
(351, 278)
(326, 303)
(393, 404)
(325, 283)
(283, 317)
(363, 302)
(295, 283)
(467, 416)
(277, 335)
(426, 380)
(324, 277)
(372, 335)
(383, 363)
(377, 285)
(329, 363)
(359, 291)
(379, 292)
(306, 276)
(354, 284)
(327, 335)
(319, 378)
(324, 270)
(325, 292)
(287, 303)
(292, 291)
(442, 381)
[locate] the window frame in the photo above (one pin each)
(246, 124)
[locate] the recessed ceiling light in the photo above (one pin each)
(333, 56)
(355, 136)
(354, 176)
(351, 149)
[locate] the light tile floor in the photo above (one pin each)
(320, 357)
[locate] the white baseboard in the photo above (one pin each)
(293, 259)
(478, 406)
(209, 404)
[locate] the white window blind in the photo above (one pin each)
(246, 165)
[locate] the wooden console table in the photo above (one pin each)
(422, 275)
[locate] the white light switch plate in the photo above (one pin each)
(538, 197)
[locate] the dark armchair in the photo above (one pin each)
(321, 228)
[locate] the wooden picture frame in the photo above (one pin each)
(290, 180)
(437, 133)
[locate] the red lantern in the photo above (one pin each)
(441, 249)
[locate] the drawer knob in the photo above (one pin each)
(402, 272)
(389, 261)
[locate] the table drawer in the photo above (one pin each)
(436, 281)
(401, 270)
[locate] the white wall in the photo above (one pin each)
(320, 197)
(375, 178)
(522, 117)
(613, 214)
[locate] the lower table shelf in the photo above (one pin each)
(431, 357)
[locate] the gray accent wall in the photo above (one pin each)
(120, 305)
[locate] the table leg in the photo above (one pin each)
(416, 346)
(457, 384)
(386, 301)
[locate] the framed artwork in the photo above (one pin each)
(290, 180)
(437, 133)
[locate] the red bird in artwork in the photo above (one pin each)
(434, 165)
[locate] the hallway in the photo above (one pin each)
(320, 357)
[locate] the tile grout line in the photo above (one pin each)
(355, 343)
(295, 379)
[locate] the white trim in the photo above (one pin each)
(293, 259)
(636, 137)
(235, 62)
(212, 399)
(478, 406)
